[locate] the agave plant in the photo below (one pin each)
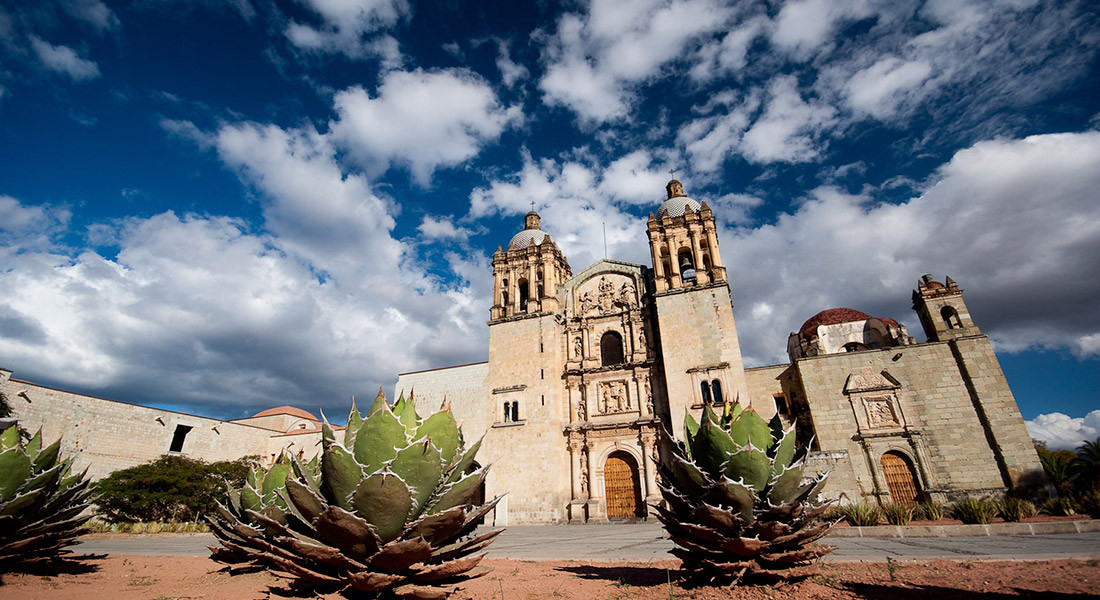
(390, 513)
(40, 500)
(736, 502)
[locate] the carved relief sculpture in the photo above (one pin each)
(582, 412)
(578, 347)
(614, 397)
(880, 413)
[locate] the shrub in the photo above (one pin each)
(862, 514)
(1014, 509)
(1089, 502)
(929, 511)
(1062, 506)
(973, 511)
(171, 488)
(898, 513)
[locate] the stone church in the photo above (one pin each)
(585, 369)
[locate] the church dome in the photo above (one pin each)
(531, 236)
(831, 316)
(678, 203)
(286, 410)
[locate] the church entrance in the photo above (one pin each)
(901, 478)
(623, 488)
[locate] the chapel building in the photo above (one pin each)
(586, 369)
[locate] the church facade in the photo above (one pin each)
(586, 369)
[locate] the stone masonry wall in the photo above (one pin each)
(465, 387)
(105, 435)
(934, 401)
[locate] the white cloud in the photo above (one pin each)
(63, 59)
(803, 26)
(93, 12)
(776, 126)
(511, 72)
(1062, 432)
(881, 87)
(441, 228)
(594, 61)
(729, 54)
(348, 25)
(422, 120)
(1015, 222)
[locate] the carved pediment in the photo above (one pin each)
(867, 380)
(604, 294)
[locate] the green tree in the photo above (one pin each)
(171, 488)
(1086, 465)
(1058, 466)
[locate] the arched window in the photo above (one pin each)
(507, 412)
(523, 294)
(687, 265)
(515, 412)
(704, 389)
(611, 348)
(951, 317)
(716, 391)
(854, 347)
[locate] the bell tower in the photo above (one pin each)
(941, 310)
(526, 275)
(683, 242)
(700, 352)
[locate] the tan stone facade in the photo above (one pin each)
(582, 377)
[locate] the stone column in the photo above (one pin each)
(513, 282)
(638, 393)
(648, 442)
(593, 496)
(533, 298)
(673, 265)
(571, 401)
(715, 260)
(655, 252)
(585, 351)
(577, 502)
(700, 274)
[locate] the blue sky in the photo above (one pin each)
(225, 206)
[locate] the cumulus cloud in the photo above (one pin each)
(318, 302)
(421, 120)
(94, 13)
(441, 228)
(64, 60)
(594, 60)
(1015, 222)
(1063, 432)
(347, 27)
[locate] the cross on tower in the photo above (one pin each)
(532, 206)
(672, 173)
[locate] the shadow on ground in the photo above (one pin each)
(77, 564)
(922, 592)
(641, 576)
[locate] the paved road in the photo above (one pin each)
(646, 542)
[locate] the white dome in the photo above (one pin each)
(675, 207)
(528, 237)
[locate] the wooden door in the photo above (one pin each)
(622, 487)
(900, 478)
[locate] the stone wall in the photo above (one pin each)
(464, 386)
(106, 435)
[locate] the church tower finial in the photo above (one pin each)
(675, 189)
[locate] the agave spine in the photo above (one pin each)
(40, 501)
(389, 512)
(736, 502)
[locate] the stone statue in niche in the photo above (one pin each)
(578, 347)
(641, 338)
(584, 483)
(582, 412)
(879, 412)
(626, 294)
(648, 396)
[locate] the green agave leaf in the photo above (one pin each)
(421, 467)
(751, 466)
(384, 501)
(811, 489)
(783, 452)
(443, 430)
(275, 479)
(355, 421)
(711, 448)
(308, 472)
(46, 480)
(691, 428)
(776, 425)
(15, 468)
(21, 502)
(464, 462)
(35, 445)
(254, 477)
(378, 404)
(460, 492)
(406, 413)
(748, 427)
(340, 475)
(250, 499)
(235, 500)
(786, 484)
(709, 416)
(347, 532)
(378, 440)
(47, 457)
(689, 476)
(9, 438)
(308, 503)
(736, 495)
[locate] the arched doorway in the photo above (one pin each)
(622, 487)
(901, 478)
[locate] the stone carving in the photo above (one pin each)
(606, 298)
(582, 412)
(641, 338)
(880, 412)
(578, 347)
(584, 483)
(626, 294)
(587, 303)
(607, 295)
(613, 397)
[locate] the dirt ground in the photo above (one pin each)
(179, 578)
